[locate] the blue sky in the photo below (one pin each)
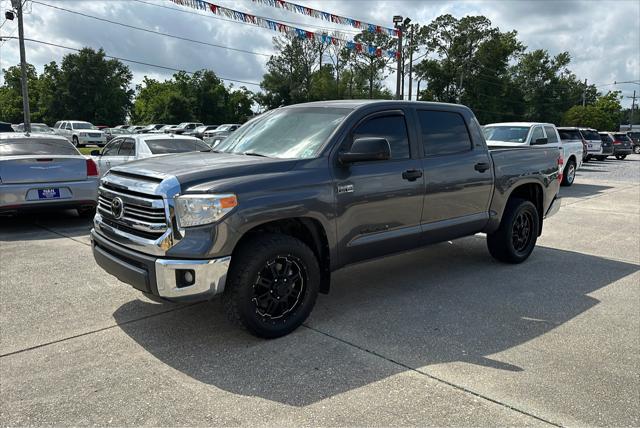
(603, 37)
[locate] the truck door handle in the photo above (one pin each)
(482, 166)
(412, 174)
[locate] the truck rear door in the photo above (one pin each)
(458, 175)
(379, 202)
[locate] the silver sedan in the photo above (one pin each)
(45, 171)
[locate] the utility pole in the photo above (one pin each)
(397, 21)
(17, 4)
(633, 107)
(460, 87)
(584, 94)
(410, 62)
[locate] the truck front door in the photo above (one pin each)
(458, 174)
(379, 202)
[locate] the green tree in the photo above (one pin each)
(94, 88)
(604, 114)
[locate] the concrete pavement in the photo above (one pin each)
(440, 336)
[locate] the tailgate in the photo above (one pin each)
(42, 169)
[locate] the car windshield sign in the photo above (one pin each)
(288, 133)
(511, 134)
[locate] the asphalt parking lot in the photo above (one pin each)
(440, 336)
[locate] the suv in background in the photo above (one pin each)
(183, 127)
(80, 133)
(635, 139)
(607, 145)
(593, 141)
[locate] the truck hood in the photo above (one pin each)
(198, 167)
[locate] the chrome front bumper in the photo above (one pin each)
(161, 277)
(210, 276)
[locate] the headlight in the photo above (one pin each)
(83, 134)
(196, 210)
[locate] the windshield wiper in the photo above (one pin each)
(254, 154)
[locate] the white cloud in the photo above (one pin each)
(602, 37)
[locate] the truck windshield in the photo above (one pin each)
(511, 134)
(288, 133)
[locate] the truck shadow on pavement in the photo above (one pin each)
(446, 303)
(579, 190)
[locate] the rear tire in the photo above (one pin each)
(516, 237)
(272, 285)
(601, 158)
(569, 174)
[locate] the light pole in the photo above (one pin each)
(397, 23)
(17, 4)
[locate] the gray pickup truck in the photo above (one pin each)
(304, 190)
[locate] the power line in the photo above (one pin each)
(153, 31)
(247, 23)
(131, 60)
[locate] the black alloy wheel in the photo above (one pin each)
(280, 287)
(521, 231)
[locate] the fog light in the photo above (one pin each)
(185, 277)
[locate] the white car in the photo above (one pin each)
(132, 147)
(80, 133)
(514, 134)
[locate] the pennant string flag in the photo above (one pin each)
(326, 16)
(330, 38)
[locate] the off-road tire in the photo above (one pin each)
(501, 242)
(249, 261)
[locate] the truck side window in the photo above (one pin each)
(393, 128)
(551, 134)
(127, 148)
(537, 133)
(443, 133)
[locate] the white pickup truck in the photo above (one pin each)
(128, 148)
(514, 134)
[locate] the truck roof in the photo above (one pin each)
(355, 104)
(518, 124)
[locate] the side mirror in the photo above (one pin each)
(539, 141)
(366, 149)
(96, 153)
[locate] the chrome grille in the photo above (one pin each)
(142, 215)
(95, 134)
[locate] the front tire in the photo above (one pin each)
(272, 285)
(636, 150)
(601, 158)
(569, 174)
(76, 142)
(516, 237)
(621, 157)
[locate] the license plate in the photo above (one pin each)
(48, 193)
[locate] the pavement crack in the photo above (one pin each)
(435, 378)
(87, 333)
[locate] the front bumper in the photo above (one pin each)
(93, 140)
(161, 277)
